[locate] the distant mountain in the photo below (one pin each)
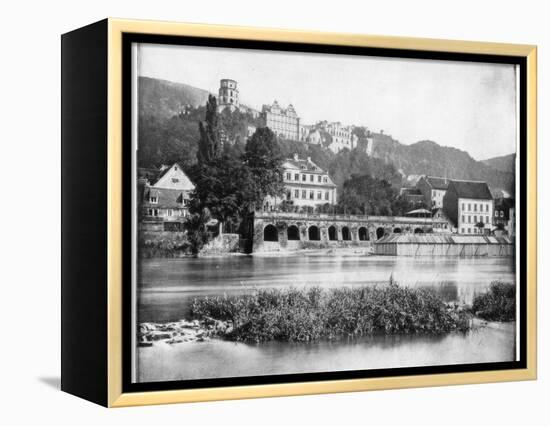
(504, 163)
(427, 157)
(164, 99)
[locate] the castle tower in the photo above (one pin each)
(228, 94)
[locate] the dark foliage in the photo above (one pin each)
(498, 304)
(305, 315)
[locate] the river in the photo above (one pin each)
(166, 288)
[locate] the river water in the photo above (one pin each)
(166, 288)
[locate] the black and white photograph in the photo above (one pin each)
(304, 212)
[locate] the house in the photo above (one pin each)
(283, 122)
(469, 206)
(306, 184)
(413, 196)
(438, 214)
(164, 205)
(505, 215)
(433, 188)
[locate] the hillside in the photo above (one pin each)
(166, 136)
(504, 163)
(427, 157)
(164, 99)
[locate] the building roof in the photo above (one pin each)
(471, 189)
(167, 198)
(437, 182)
(306, 165)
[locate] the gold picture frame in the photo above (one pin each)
(115, 396)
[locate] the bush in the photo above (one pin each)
(498, 304)
(310, 314)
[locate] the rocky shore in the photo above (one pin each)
(181, 331)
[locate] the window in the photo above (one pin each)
(153, 200)
(288, 176)
(326, 195)
(304, 177)
(319, 195)
(169, 212)
(175, 180)
(469, 207)
(502, 213)
(463, 219)
(469, 219)
(297, 176)
(486, 219)
(296, 193)
(463, 207)
(311, 178)
(462, 230)
(475, 207)
(475, 219)
(319, 178)
(469, 230)
(304, 194)
(486, 207)
(325, 179)
(311, 195)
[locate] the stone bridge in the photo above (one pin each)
(276, 231)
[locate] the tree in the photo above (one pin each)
(197, 232)
(363, 194)
(209, 142)
(263, 160)
(480, 226)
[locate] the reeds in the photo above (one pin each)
(293, 314)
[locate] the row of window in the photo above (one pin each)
(473, 219)
(166, 213)
(469, 205)
(469, 231)
(323, 179)
(499, 213)
(155, 200)
(304, 194)
(282, 119)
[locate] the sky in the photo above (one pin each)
(466, 105)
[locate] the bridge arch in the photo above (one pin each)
(346, 234)
(271, 233)
(418, 231)
(313, 233)
(293, 233)
(332, 233)
(397, 230)
(380, 233)
(363, 234)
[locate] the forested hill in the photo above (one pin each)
(164, 99)
(427, 157)
(170, 113)
(504, 163)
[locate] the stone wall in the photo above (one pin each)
(223, 244)
(346, 233)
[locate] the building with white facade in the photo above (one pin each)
(469, 206)
(433, 188)
(306, 184)
(166, 201)
(283, 122)
(342, 136)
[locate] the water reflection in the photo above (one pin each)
(167, 286)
